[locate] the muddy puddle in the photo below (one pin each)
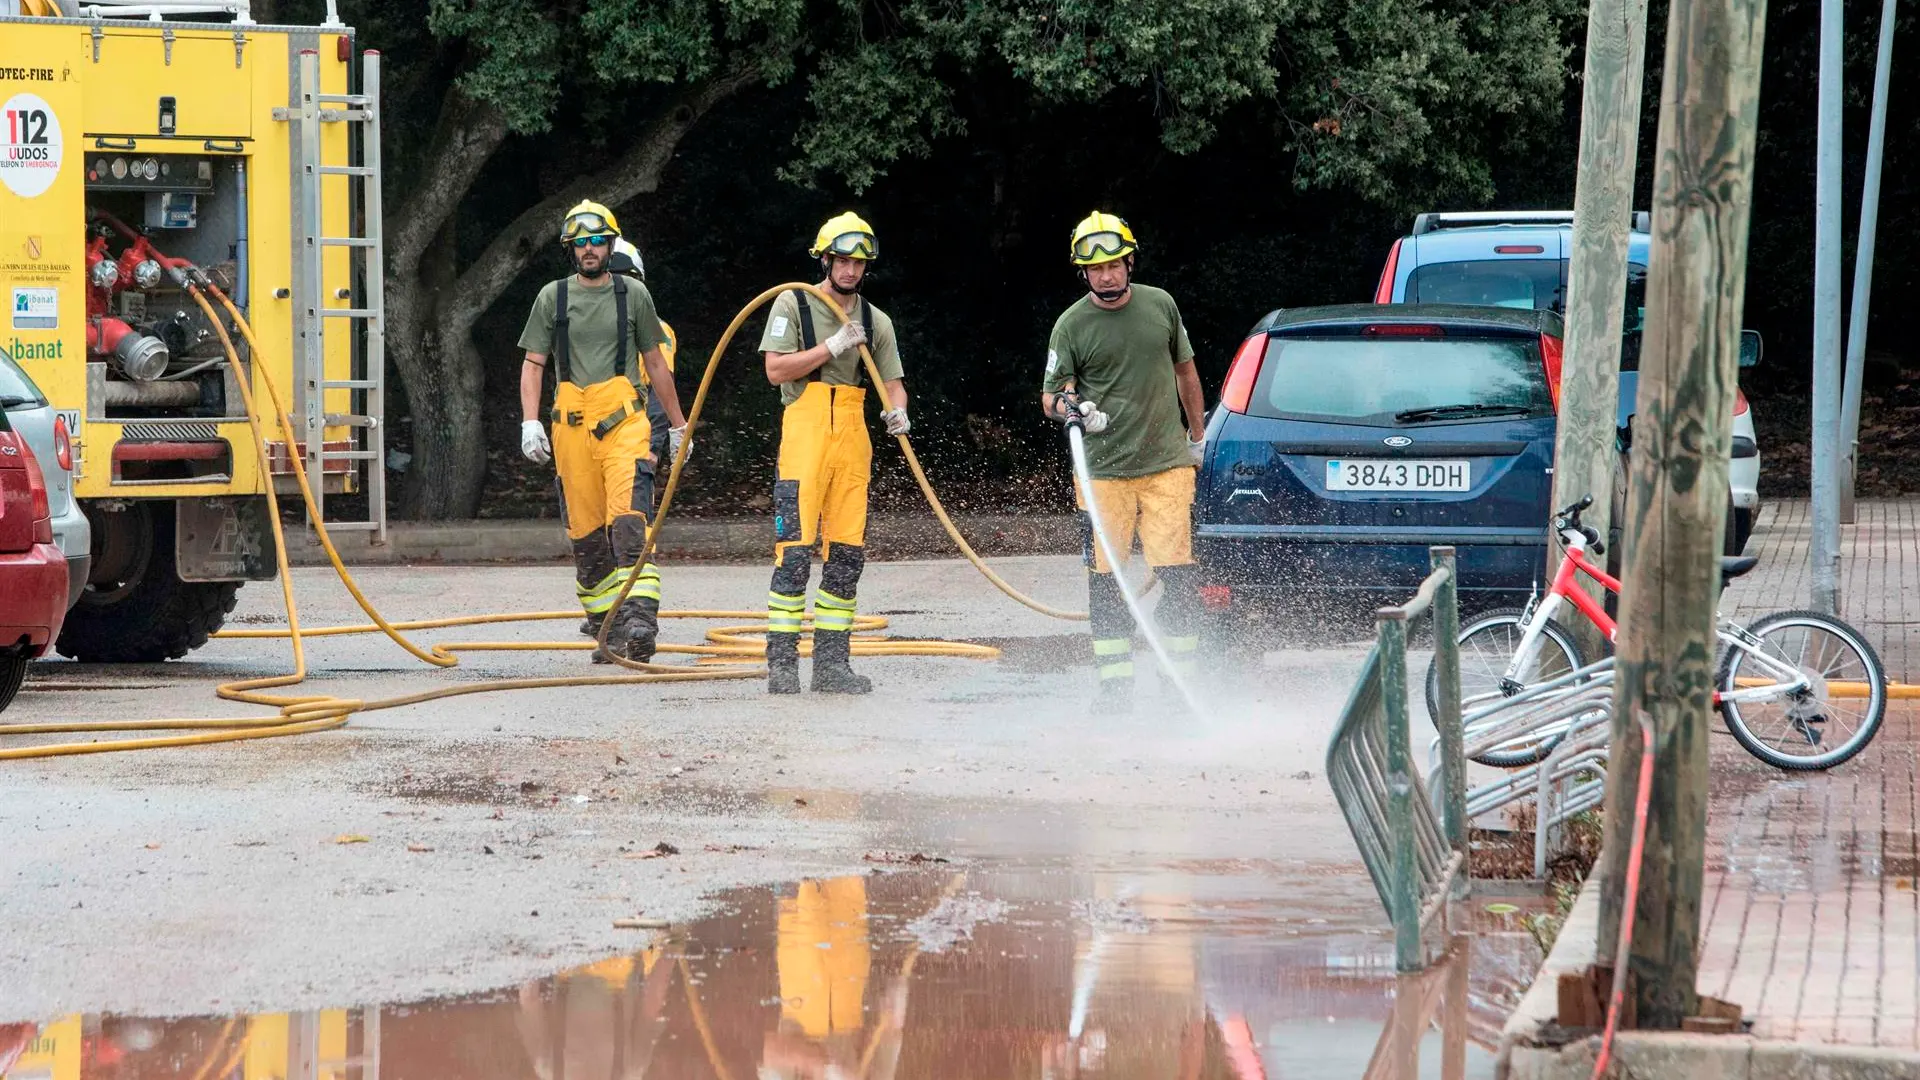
(946, 972)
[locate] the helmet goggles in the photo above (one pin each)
(1101, 247)
(853, 245)
(585, 224)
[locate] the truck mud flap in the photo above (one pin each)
(224, 539)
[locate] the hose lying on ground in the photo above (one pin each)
(728, 654)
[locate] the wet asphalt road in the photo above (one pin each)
(504, 833)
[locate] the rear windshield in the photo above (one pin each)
(1509, 283)
(1373, 380)
(16, 390)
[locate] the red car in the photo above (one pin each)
(33, 572)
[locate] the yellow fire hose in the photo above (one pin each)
(728, 654)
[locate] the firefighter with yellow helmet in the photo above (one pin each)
(1120, 363)
(600, 333)
(826, 457)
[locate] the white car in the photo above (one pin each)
(1743, 474)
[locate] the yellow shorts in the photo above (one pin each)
(1157, 507)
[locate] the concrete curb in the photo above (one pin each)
(1526, 1053)
(889, 536)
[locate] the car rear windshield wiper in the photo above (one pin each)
(11, 402)
(1446, 412)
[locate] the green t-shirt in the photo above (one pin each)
(592, 330)
(783, 336)
(1123, 362)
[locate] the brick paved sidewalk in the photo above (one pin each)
(1812, 919)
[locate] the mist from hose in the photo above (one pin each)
(1083, 475)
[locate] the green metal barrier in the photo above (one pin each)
(1416, 864)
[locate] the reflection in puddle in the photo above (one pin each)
(940, 975)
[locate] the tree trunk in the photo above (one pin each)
(444, 378)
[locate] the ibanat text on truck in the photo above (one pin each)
(136, 139)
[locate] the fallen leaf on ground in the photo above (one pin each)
(799, 802)
(352, 838)
(153, 847)
(658, 851)
(418, 848)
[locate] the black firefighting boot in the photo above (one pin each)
(633, 631)
(783, 663)
(831, 673)
(1112, 627)
(590, 626)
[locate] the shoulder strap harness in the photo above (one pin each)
(561, 348)
(808, 339)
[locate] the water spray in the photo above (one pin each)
(1077, 440)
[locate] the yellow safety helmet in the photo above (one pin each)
(1101, 237)
(588, 218)
(847, 235)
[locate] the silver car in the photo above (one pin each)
(31, 416)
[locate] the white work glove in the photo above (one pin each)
(1197, 450)
(676, 438)
(897, 423)
(1092, 420)
(533, 442)
(849, 337)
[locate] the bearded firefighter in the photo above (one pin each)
(826, 457)
(601, 335)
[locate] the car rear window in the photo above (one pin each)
(1510, 283)
(1372, 379)
(16, 389)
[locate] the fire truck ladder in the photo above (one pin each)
(366, 450)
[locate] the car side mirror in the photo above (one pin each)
(1751, 348)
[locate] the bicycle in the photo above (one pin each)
(1805, 664)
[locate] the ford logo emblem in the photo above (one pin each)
(1397, 440)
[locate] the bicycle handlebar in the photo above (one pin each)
(1568, 520)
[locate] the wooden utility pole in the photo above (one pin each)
(1676, 502)
(1584, 455)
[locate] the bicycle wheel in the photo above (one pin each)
(1813, 728)
(1487, 646)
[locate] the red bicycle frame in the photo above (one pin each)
(1576, 562)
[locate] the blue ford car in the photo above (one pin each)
(1350, 438)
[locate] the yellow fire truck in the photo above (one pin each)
(135, 135)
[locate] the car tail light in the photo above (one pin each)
(1519, 249)
(1237, 392)
(1739, 401)
(37, 491)
(1383, 293)
(62, 443)
(1216, 597)
(1551, 355)
(1403, 330)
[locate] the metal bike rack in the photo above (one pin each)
(1580, 704)
(1416, 865)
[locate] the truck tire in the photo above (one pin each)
(150, 615)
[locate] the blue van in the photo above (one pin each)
(1518, 259)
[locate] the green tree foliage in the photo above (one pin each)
(514, 111)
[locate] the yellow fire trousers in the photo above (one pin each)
(600, 449)
(823, 956)
(826, 462)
